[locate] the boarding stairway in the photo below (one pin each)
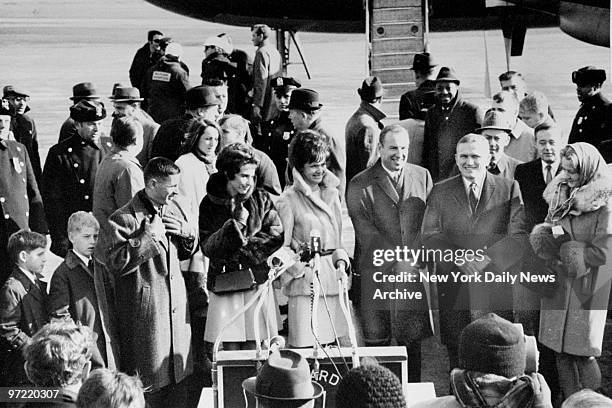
(396, 29)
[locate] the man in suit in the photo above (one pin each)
(363, 127)
(496, 129)
(474, 213)
(386, 203)
(593, 121)
(533, 178)
(449, 119)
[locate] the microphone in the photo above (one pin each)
(315, 242)
(340, 259)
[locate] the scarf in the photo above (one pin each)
(476, 390)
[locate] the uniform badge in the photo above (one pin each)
(161, 76)
(286, 135)
(17, 165)
(579, 121)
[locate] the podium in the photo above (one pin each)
(233, 367)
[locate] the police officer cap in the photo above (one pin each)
(285, 82)
(305, 99)
(87, 111)
(589, 76)
(371, 88)
(11, 90)
(200, 97)
(447, 74)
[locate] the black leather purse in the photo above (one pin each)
(239, 280)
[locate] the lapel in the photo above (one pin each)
(28, 285)
(488, 188)
(73, 262)
(382, 180)
(460, 195)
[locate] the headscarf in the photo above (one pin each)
(591, 167)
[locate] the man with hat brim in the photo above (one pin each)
(22, 125)
(496, 129)
(81, 91)
(202, 102)
(305, 113)
(447, 121)
(146, 57)
(284, 381)
(21, 205)
(415, 103)
(126, 101)
(216, 63)
(363, 127)
(593, 121)
(491, 369)
(165, 85)
(70, 171)
(278, 131)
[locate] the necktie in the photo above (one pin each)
(493, 169)
(41, 285)
(472, 197)
(90, 266)
(548, 174)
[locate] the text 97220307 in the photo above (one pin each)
(29, 394)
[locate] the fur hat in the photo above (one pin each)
(370, 386)
(492, 345)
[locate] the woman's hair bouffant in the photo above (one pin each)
(233, 157)
(306, 147)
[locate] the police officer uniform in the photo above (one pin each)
(20, 201)
(69, 175)
(593, 121)
(278, 132)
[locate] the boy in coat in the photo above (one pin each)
(82, 289)
(22, 303)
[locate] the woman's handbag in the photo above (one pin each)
(239, 280)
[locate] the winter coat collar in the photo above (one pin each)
(372, 110)
(217, 191)
(585, 199)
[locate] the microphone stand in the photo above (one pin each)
(262, 290)
(345, 306)
(315, 292)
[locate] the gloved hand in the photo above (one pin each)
(240, 214)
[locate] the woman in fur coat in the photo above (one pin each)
(312, 202)
(239, 229)
(576, 241)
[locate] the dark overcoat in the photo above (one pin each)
(448, 224)
(593, 124)
(87, 296)
(22, 313)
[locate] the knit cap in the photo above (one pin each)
(370, 386)
(492, 345)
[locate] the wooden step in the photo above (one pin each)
(394, 75)
(403, 59)
(405, 29)
(377, 4)
(395, 91)
(396, 15)
(395, 45)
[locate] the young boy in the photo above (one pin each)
(81, 289)
(22, 303)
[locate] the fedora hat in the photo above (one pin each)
(201, 96)
(285, 376)
(305, 99)
(84, 90)
(422, 62)
(371, 88)
(11, 90)
(496, 120)
(126, 94)
(447, 74)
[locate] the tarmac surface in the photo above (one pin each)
(47, 46)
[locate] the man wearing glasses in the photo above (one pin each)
(23, 126)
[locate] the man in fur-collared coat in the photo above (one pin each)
(149, 236)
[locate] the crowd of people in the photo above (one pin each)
(166, 226)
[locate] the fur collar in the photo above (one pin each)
(217, 191)
(588, 198)
(329, 181)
